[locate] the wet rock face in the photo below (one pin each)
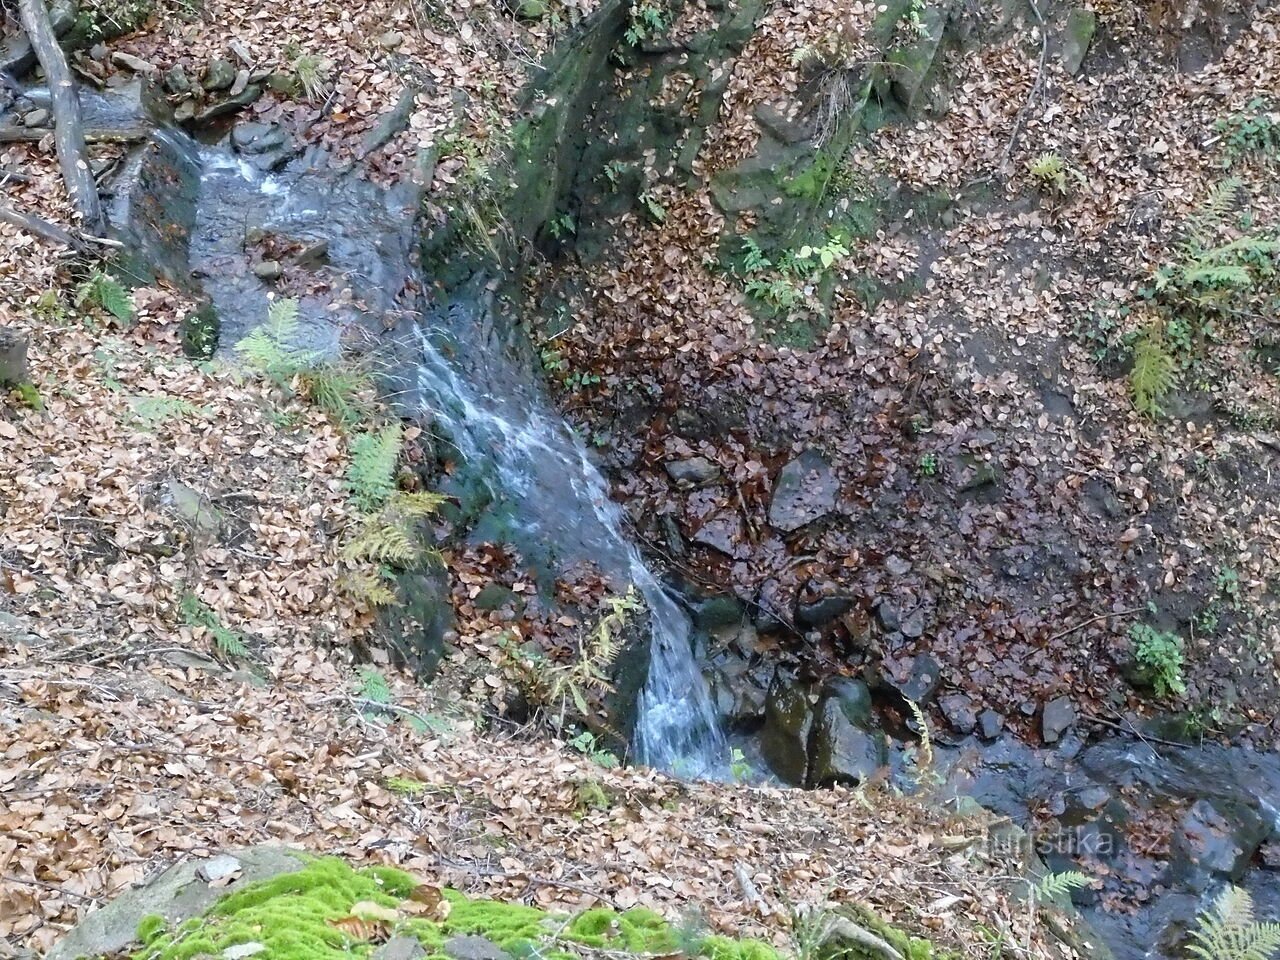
(1215, 839)
(805, 491)
(848, 745)
(784, 741)
(1058, 716)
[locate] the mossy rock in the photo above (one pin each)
(296, 915)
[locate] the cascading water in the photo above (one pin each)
(533, 465)
(533, 468)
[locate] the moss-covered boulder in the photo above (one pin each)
(322, 908)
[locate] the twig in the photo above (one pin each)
(65, 105)
(1132, 731)
(44, 884)
(1084, 623)
(1035, 88)
(39, 227)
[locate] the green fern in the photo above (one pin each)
(336, 391)
(1054, 885)
(381, 540)
(154, 410)
(1228, 931)
(1153, 373)
(271, 349)
(923, 759)
(371, 473)
(1217, 206)
(105, 291)
(368, 588)
(196, 613)
(373, 686)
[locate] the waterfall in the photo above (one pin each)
(531, 462)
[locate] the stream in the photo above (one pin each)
(220, 219)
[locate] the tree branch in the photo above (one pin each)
(69, 128)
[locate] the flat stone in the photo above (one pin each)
(268, 270)
(805, 491)
(1058, 716)
(250, 93)
(178, 894)
(822, 611)
(990, 723)
(696, 471)
(192, 507)
(958, 711)
(390, 40)
(136, 64)
(922, 681)
(913, 626)
(474, 948)
(253, 137)
(719, 611)
(399, 948)
(391, 123)
(36, 118)
(176, 80)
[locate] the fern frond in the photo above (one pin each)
(416, 505)
(382, 541)
(371, 473)
(154, 410)
(196, 613)
(374, 686)
(925, 757)
(1153, 371)
(336, 391)
(105, 291)
(1053, 885)
(367, 588)
(271, 349)
(1220, 202)
(1228, 931)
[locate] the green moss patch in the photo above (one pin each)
(291, 917)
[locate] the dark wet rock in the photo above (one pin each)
(913, 624)
(1215, 837)
(391, 123)
(13, 358)
(1058, 716)
(805, 491)
(230, 105)
(721, 531)
(922, 680)
(417, 625)
(788, 720)
(176, 80)
(1076, 38)
(887, 615)
(781, 127)
(220, 74)
(474, 948)
(990, 723)
(822, 611)
(694, 472)
(1270, 854)
(251, 137)
(36, 118)
(959, 712)
(915, 61)
(1081, 803)
(740, 690)
(493, 596)
(723, 610)
(848, 746)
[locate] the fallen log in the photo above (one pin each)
(10, 133)
(68, 128)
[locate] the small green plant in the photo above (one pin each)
(26, 395)
(1229, 931)
(647, 20)
(406, 787)
(920, 756)
(372, 686)
(1254, 130)
(572, 683)
(558, 368)
(312, 73)
(196, 613)
(562, 226)
(1227, 583)
(1052, 174)
(653, 206)
(103, 290)
(927, 465)
(1160, 654)
(588, 744)
(740, 768)
(613, 171)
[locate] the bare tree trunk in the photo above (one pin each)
(69, 129)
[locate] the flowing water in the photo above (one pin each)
(472, 383)
(536, 471)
